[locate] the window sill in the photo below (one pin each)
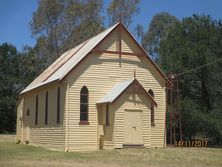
(83, 123)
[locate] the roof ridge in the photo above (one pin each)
(119, 88)
(63, 66)
(55, 72)
(82, 45)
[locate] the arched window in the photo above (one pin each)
(152, 108)
(28, 112)
(36, 109)
(107, 114)
(46, 107)
(58, 106)
(151, 93)
(84, 105)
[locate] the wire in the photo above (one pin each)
(197, 68)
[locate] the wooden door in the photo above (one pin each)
(133, 127)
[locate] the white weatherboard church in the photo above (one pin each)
(105, 93)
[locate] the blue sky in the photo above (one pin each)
(15, 15)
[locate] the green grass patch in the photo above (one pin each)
(12, 154)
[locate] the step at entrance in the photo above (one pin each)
(133, 146)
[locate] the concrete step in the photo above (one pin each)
(133, 146)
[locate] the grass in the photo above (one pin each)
(12, 154)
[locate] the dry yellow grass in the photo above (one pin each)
(12, 154)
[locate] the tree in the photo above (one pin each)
(29, 66)
(61, 25)
(122, 9)
(157, 31)
(17, 70)
(139, 32)
(192, 43)
(8, 87)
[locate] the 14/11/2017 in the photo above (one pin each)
(192, 143)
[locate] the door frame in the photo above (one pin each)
(136, 110)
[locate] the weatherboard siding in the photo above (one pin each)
(109, 134)
(99, 72)
(111, 43)
(150, 79)
(51, 135)
(19, 119)
(128, 45)
(131, 102)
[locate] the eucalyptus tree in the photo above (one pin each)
(193, 50)
(157, 31)
(122, 9)
(61, 25)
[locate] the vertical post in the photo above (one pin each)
(98, 137)
(178, 103)
(165, 128)
(22, 120)
(174, 117)
(174, 128)
(67, 119)
(171, 109)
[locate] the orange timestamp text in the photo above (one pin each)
(191, 143)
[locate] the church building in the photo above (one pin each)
(105, 93)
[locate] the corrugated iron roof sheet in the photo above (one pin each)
(67, 61)
(115, 91)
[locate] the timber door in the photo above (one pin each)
(133, 127)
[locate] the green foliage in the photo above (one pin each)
(61, 25)
(58, 26)
(16, 71)
(123, 9)
(177, 46)
(139, 32)
(157, 31)
(29, 66)
(194, 42)
(8, 87)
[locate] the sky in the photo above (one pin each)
(15, 16)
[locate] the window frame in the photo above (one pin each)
(152, 113)
(58, 106)
(36, 109)
(46, 108)
(150, 91)
(84, 102)
(28, 112)
(107, 115)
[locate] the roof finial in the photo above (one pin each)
(134, 73)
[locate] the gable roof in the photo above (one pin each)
(119, 88)
(71, 58)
